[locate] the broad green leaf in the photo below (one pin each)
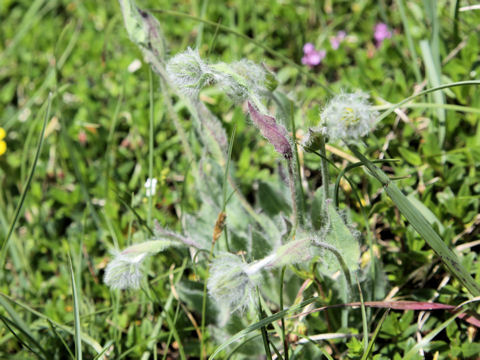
(272, 199)
(343, 240)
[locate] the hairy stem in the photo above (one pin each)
(293, 192)
(324, 168)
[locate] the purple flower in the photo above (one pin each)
(381, 33)
(275, 133)
(337, 39)
(312, 57)
(308, 48)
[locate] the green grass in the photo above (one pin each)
(84, 134)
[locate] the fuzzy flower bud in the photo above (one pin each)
(275, 133)
(124, 271)
(347, 117)
(230, 283)
(189, 73)
(241, 80)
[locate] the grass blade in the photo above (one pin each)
(431, 335)
(434, 78)
(76, 314)
(284, 339)
(408, 35)
(15, 317)
(9, 324)
(374, 336)
(263, 329)
(421, 225)
(364, 319)
(258, 325)
(52, 327)
(104, 350)
(424, 92)
(4, 247)
(85, 338)
(150, 147)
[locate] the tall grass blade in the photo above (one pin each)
(263, 329)
(200, 27)
(52, 327)
(262, 323)
(15, 317)
(104, 350)
(9, 324)
(431, 335)
(76, 313)
(369, 349)
(150, 146)
(424, 92)
(178, 339)
(434, 78)
(421, 225)
(364, 318)
(411, 45)
(85, 338)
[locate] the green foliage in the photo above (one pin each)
(85, 193)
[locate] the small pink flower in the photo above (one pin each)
(312, 57)
(381, 33)
(337, 39)
(82, 137)
(308, 48)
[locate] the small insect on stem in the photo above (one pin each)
(219, 225)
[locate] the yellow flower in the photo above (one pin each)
(3, 144)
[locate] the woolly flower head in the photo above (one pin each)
(347, 116)
(231, 283)
(124, 271)
(240, 80)
(190, 73)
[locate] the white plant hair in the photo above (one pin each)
(190, 73)
(125, 270)
(230, 284)
(241, 80)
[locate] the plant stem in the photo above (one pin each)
(150, 148)
(203, 354)
(293, 192)
(297, 162)
(284, 338)
(324, 168)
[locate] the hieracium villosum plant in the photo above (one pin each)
(243, 248)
